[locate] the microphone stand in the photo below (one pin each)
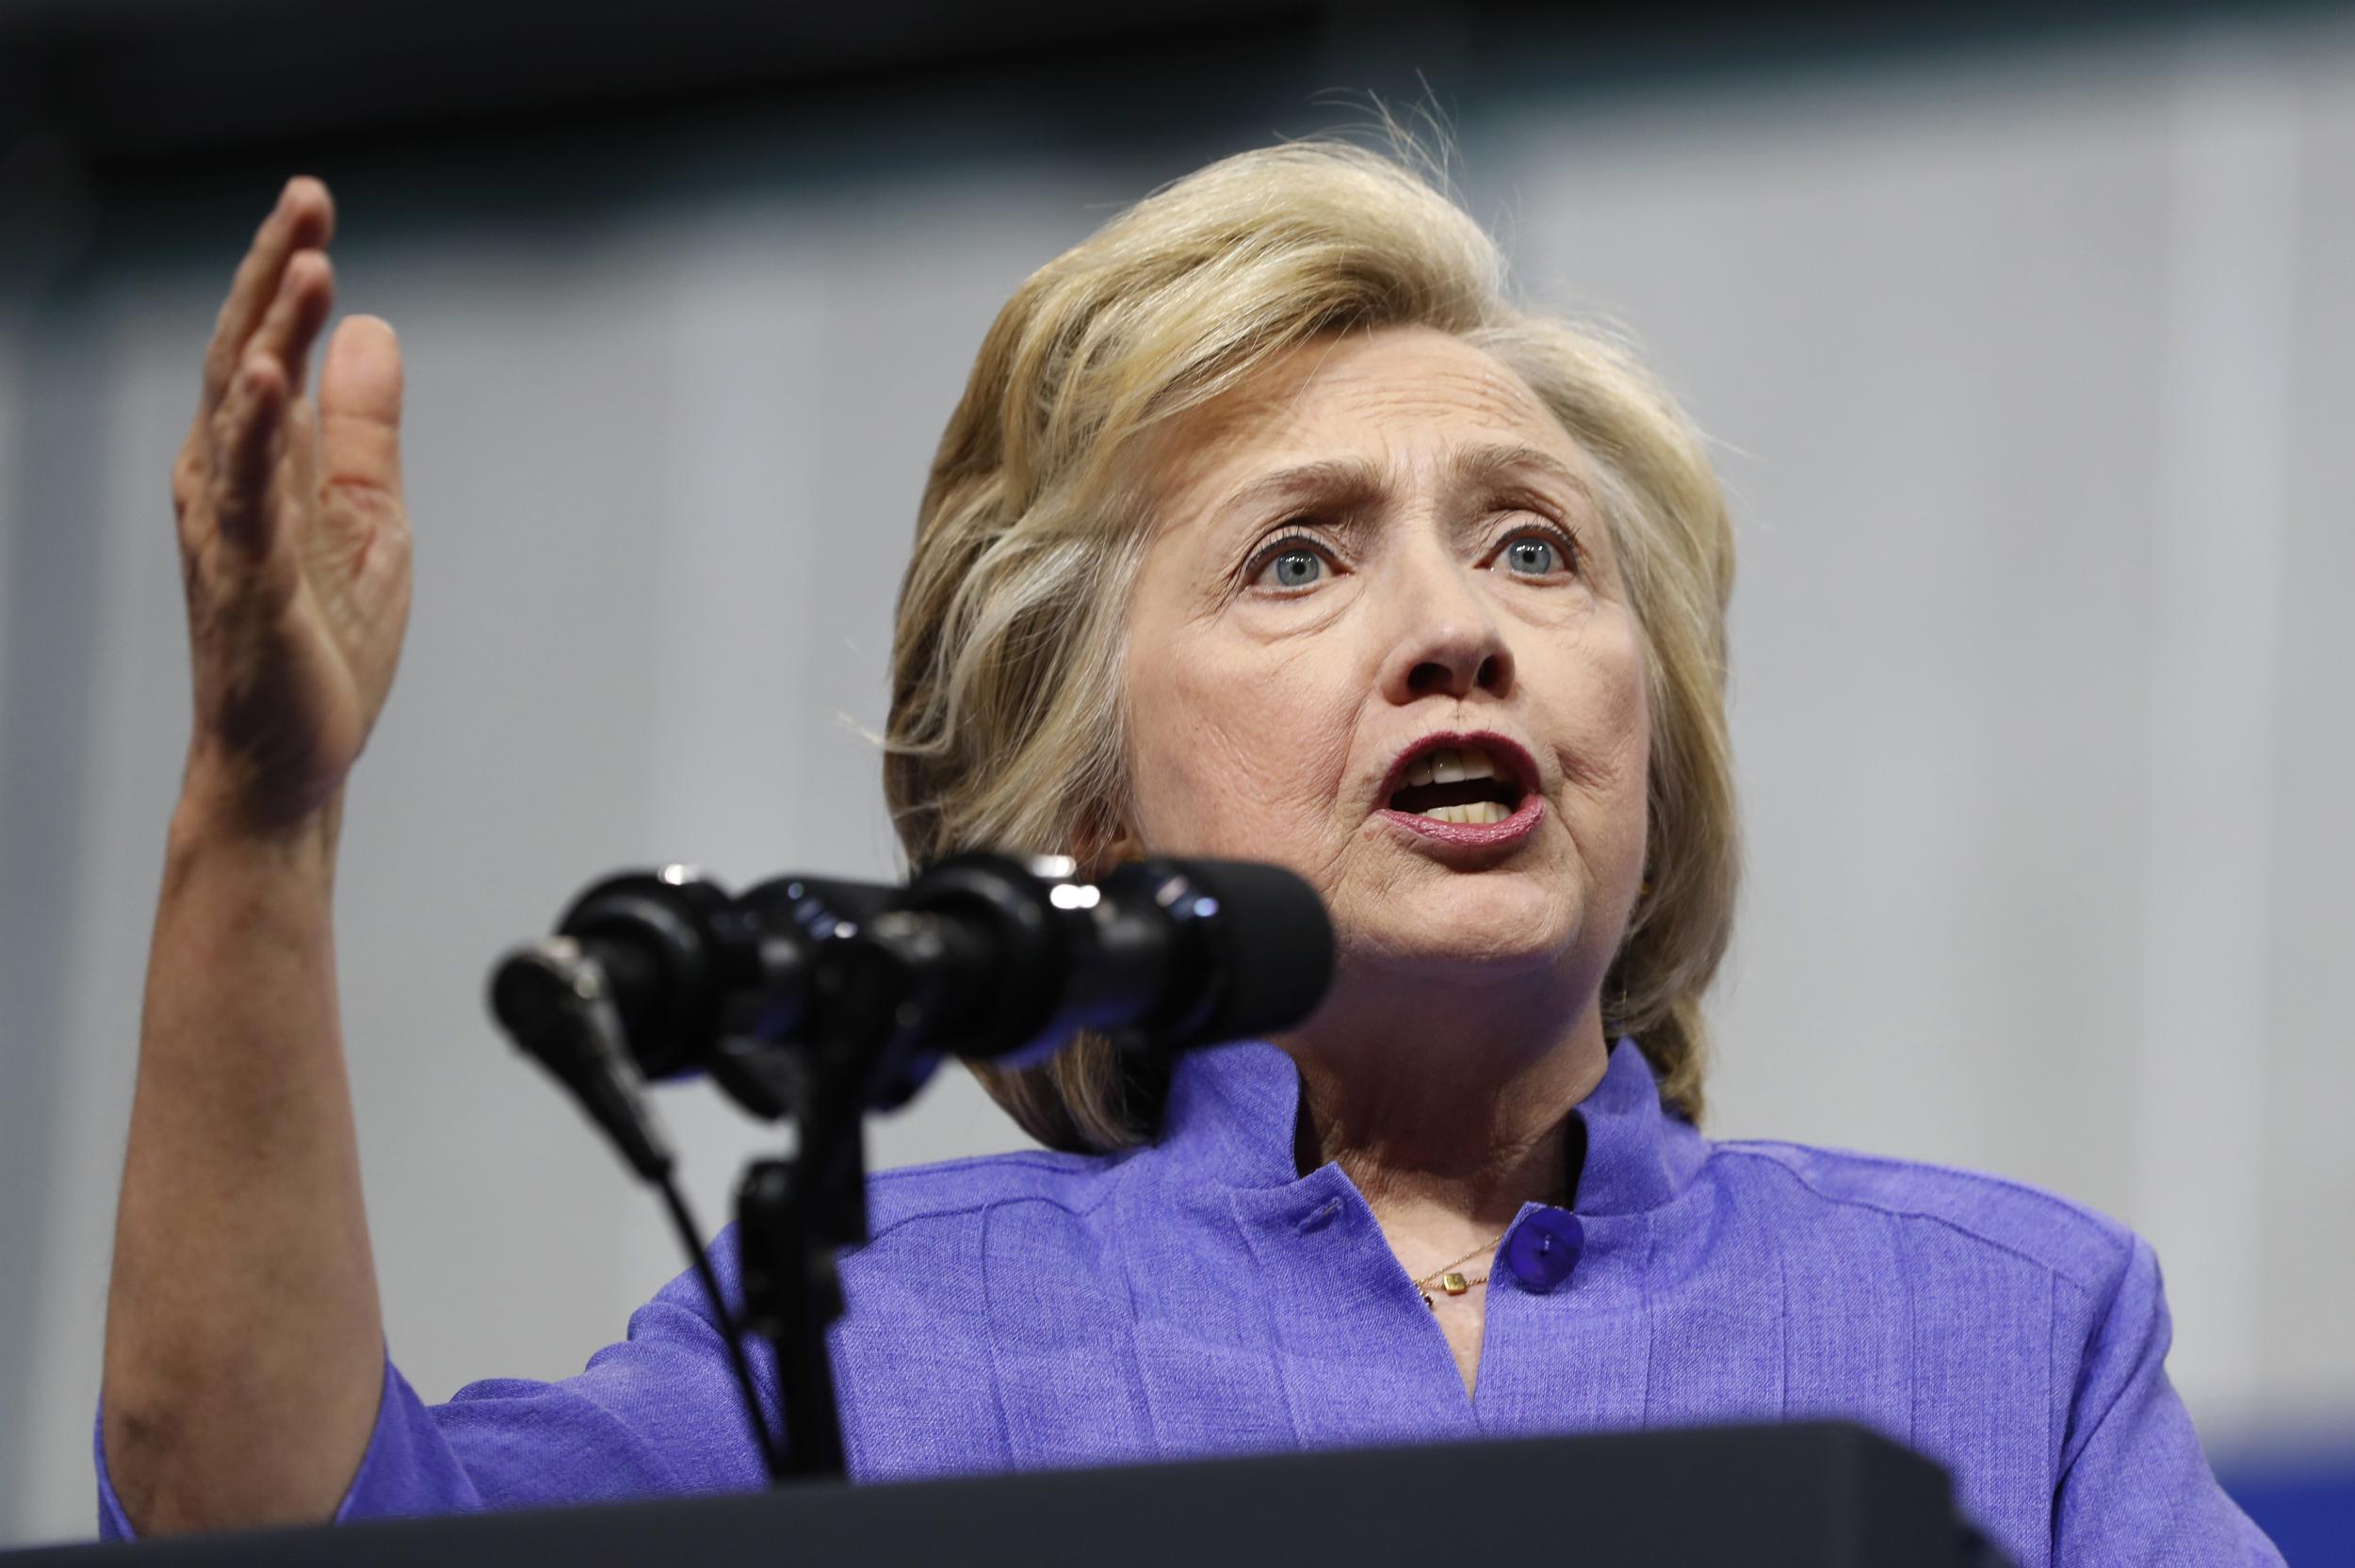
(796, 1214)
(792, 1217)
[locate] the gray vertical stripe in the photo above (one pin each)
(46, 693)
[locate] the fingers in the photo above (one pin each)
(305, 294)
(246, 435)
(255, 363)
(305, 218)
(244, 451)
(360, 392)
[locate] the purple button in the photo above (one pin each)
(1544, 1248)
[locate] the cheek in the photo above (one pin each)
(1236, 756)
(1603, 720)
(1628, 717)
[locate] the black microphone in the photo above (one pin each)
(999, 960)
(556, 1001)
(698, 981)
(983, 956)
(1261, 929)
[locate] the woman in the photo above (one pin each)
(1266, 527)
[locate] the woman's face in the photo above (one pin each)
(1378, 575)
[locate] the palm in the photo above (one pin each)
(295, 543)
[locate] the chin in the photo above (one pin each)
(1468, 933)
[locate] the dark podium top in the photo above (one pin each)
(1821, 1494)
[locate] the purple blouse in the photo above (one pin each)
(1201, 1296)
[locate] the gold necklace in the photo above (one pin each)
(1445, 1278)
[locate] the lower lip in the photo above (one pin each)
(1477, 835)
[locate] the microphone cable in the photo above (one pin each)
(690, 1237)
(556, 1001)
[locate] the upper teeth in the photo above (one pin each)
(1450, 764)
(1455, 765)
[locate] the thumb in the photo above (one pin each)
(358, 407)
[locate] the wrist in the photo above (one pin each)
(215, 815)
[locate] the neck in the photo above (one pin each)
(1441, 1105)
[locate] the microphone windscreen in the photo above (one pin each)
(1274, 944)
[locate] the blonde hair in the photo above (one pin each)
(1007, 727)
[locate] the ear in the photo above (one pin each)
(1098, 851)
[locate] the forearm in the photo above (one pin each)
(244, 1340)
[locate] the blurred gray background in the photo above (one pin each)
(2029, 352)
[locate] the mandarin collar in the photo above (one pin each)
(1232, 1111)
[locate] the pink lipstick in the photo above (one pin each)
(1473, 789)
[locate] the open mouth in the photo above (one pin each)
(1464, 783)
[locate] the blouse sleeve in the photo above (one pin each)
(2136, 1489)
(657, 1412)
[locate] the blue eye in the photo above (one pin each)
(1296, 568)
(1533, 556)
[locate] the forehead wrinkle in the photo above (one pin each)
(1274, 399)
(1271, 398)
(1270, 408)
(1356, 482)
(1489, 463)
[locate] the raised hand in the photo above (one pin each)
(245, 1343)
(294, 542)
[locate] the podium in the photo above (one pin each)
(1822, 1494)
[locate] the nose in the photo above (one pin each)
(1448, 642)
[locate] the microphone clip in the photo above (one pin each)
(557, 1002)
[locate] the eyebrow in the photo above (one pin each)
(1351, 480)
(1489, 465)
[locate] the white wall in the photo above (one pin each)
(2029, 376)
